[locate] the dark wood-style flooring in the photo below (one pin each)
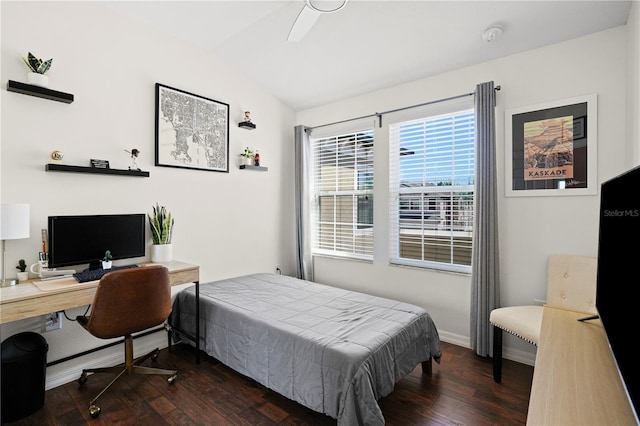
(461, 391)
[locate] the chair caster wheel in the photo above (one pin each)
(94, 411)
(172, 379)
(154, 357)
(83, 379)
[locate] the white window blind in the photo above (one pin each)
(432, 176)
(342, 218)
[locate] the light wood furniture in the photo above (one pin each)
(33, 298)
(571, 284)
(575, 380)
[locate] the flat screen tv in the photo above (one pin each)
(618, 275)
(78, 240)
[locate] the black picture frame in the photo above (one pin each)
(551, 149)
(191, 131)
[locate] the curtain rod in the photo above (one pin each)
(380, 114)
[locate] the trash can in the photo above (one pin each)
(24, 365)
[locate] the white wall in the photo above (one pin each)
(229, 223)
(530, 227)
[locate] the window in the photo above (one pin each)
(432, 174)
(343, 194)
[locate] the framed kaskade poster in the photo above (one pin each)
(192, 131)
(551, 148)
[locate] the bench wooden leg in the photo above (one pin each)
(497, 354)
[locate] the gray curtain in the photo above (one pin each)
(304, 261)
(485, 275)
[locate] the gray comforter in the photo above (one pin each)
(332, 350)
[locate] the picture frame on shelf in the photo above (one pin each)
(191, 131)
(551, 148)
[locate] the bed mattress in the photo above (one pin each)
(332, 350)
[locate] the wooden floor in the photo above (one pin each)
(461, 391)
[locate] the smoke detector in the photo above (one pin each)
(490, 34)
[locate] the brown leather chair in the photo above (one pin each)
(128, 301)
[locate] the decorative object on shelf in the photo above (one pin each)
(14, 225)
(57, 155)
(247, 124)
(106, 260)
(256, 159)
(202, 142)
(246, 157)
(99, 164)
(38, 69)
(23, 274)
(134, 159)
(161, 224)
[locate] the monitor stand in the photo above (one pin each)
(94, 264)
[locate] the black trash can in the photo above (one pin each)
(24, 365)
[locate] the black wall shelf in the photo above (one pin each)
(40, 92)
(257, 168)
(246, 125)
(81, 169)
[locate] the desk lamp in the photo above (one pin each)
(14, 225)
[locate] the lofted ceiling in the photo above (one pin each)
(368, 45)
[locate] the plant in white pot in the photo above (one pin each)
(38, 68)
(161, 224)
(247, 157)
(106, 260)
(23, 275)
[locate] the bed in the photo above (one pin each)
(334, 351)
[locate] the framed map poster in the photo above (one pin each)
(551, 148)
(192, 131)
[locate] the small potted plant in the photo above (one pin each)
(247, 156)
(106, 260)
(37, 68)
(23, 275)
(161, 224)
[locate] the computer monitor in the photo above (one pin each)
(616, 295)
(78, 240)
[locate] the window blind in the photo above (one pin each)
(432, 177)
(343, 194)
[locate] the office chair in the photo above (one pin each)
(128, 301)
(571, 285)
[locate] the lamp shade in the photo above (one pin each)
(14, 221)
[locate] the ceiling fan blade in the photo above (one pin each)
(303, 24)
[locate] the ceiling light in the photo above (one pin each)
(327, 9)
(490, 34)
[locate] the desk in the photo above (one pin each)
(26, 300)
(575, 379)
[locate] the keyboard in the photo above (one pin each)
(96, 274)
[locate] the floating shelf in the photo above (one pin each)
(96, 170)
(40, 92)
(247, 125)
(256, 168)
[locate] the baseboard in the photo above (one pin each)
(523, 357)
